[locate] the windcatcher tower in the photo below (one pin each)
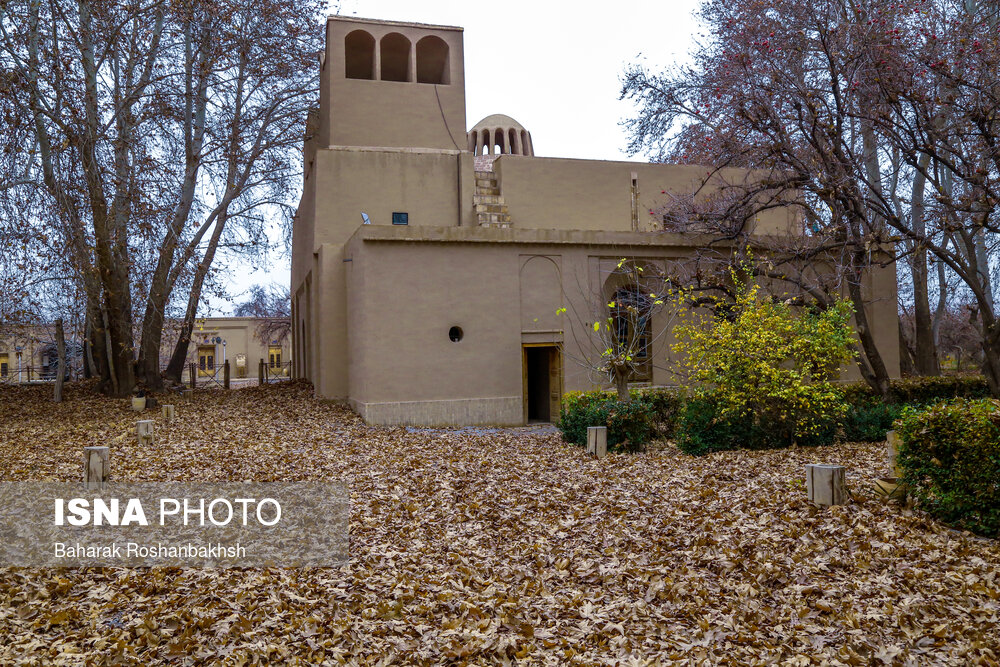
(387, 146)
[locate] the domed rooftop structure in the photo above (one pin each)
(499, 135)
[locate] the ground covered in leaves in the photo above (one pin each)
(507, 546)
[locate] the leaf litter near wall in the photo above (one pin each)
(499, 546)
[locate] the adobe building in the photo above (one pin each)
(242, 341)
(444, 276)
(28, 353)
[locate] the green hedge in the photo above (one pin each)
(950, 456)
(921, 390)
(701, 430)
(870, 416)
(662, 412)
(650, 413)
(869, 421)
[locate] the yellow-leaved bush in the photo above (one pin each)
(764, 372)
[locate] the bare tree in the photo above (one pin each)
(839, 107)
(272, 306)
(149, 135)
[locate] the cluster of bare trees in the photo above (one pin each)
(880, 120)
(141, 140)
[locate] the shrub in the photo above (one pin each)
(632, 424)
(666, 405)
(765, 372)
(921, 390)
(869, 417)
(869, 420)
(702, 427)
(950, 456)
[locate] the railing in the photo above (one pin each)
(211, 375)
(274, 372)
(26, 374)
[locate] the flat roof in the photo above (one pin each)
(404, 24)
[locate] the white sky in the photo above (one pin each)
(553, 66)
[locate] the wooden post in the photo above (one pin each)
(186, 394)
(597, 441)
(892, 449)
(826, 485)
(225, 374)
(260, 373)
(61, 368)
(144, 431)
(96, 467)
(193, 375)
(168, 413)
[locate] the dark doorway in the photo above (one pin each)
(538, 383)
(542, 382)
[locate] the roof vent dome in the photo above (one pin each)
(499, 135)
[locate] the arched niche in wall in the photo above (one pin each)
(359, 55)
(432, 60)
(395, 52)
(541, 294)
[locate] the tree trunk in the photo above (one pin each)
(176, 365)
(621, 385)
(873, 370)
(925, 353)
(61, 367)
(161, 284)
(905, 357)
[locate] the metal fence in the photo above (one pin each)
(274, 372)
(32, 374)
(210, 375)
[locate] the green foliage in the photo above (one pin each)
(649, 413)
(868, 421)
(921, 390)
(869, 417)
(950, 456)
(765, 373)
(703, 427)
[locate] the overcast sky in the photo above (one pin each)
(553, 66)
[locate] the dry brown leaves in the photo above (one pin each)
(480, 546)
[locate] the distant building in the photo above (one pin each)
(240, 340)
(28, 353)
(430, 264)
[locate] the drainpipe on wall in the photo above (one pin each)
(458, 158)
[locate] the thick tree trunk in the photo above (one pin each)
(89, 368)
(161, 284)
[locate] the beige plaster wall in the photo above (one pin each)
(406, 288)
(403, 299)
(561, 193)
(426, 185)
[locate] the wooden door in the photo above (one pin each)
(206, 360)
(555, 383)
(541, 365)
(274, 359)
